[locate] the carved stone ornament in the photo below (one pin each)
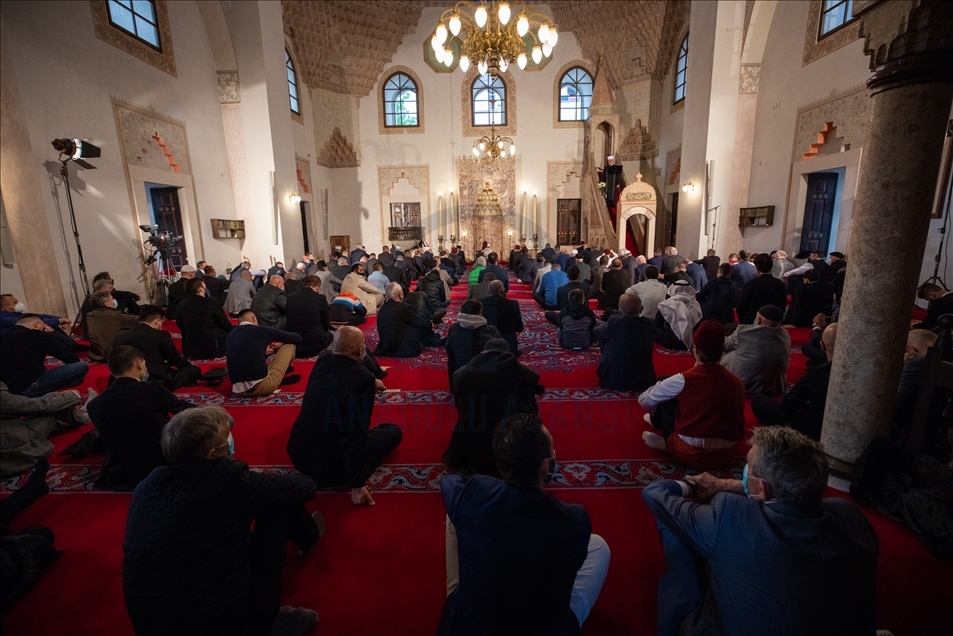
(748, 79)
(639, 196)
(418, 176)
(151, 140)
(229, 90)
(848, 112)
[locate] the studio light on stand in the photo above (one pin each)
(76, 150)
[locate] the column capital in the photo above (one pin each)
(908, 43)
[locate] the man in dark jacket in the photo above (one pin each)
(482, 289)
(710, 262)
(527, 270)
(163, 360)
(129, 416)
(761, 291)
(627, 342)
(192, 564)
(743, 271)
(562, 293)
(433, 286)
(307, 316)
(270, 303)
(525, 563)
(249, 346)
(613, 286)
(178, 291)
(332, 440)
(576, 323)
(811, 297)
(400, 326)
(719, 297)
(487, 390)
(504, 314)
(203, 323)
(802, 407)
(217, 286)
(23, 351)
(493, 265)
(467, 337)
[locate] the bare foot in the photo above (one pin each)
(653, 441)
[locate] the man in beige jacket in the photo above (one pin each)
(370, 296)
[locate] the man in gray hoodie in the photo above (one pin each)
(467, 337)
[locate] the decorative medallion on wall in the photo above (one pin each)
(303, 174)
(163, 59)
(151, 140)
(748, 79)
(815, 49)
(229, 90)
(466, 97)
(847, 111)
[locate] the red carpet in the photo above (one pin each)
(381, 570)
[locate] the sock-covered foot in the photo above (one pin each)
(293, 621)
(290, 379)
(653, 441)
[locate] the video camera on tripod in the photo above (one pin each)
(159, 241)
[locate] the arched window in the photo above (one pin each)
(489, 101)
(292, 84)
(834, 15)
(681, 70)
(400, 101)
(575, 95)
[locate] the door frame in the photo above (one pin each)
(581, 238)
(139, 176)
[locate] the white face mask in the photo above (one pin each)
(115, 304)
(20, 308)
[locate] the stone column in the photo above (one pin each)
(911, 92)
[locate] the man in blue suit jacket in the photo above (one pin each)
(782, 560)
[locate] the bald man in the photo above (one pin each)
(270, 303)
(332, 440)
(802, 407)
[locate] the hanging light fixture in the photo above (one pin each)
(491, 38)
(492, 147)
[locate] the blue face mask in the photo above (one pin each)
(115, 304)
(231, 445)
(744, 480)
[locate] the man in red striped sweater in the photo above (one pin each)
(700, 412)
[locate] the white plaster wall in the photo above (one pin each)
(10, 282)
(355, 200)
(785, 86)
(66, 91)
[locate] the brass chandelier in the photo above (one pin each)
(491, 40)
(493, 146)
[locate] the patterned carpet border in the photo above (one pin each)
(575, 475)
(401, 397)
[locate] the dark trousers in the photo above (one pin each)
(180, 377)
(681, 588)
(540, 298)
(380, 442)
(269, 545)
(813, 354)
(664, 417)
(552, 317)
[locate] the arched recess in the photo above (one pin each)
(400, 130)
(638, 198)
(556, 88)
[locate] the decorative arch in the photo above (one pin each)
(556, 88)
(469, 130)
(400, 130)
(638, 198)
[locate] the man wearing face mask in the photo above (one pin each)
(781, 560)
(11, 310)
(192, 565)
(23, 351)
(105, 321)
(129, 416)
(519, 561)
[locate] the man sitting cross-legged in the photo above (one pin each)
(519, 561)
(562, 294)
(627, 342)
(402, 330)
(781, 560)
(105, 322)
(760, 291)
(249, 346)
(576, 323)
(163, 360)
(759, 354)
(482, 289)
(307, 315)
(549, 284)
(467, 337)
(651, 291)
(192, 564)
(203, 323)
(802, 406)
(491, 387)
(332, 439)
(700, 412)
(271, 302)
(502, 313)
(23, 351)
(129, 416)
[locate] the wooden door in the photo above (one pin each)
(568, 221)
(168, 216)
(341, 243)
(818, 211)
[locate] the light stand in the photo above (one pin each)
(936, 279)
(76, 150)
